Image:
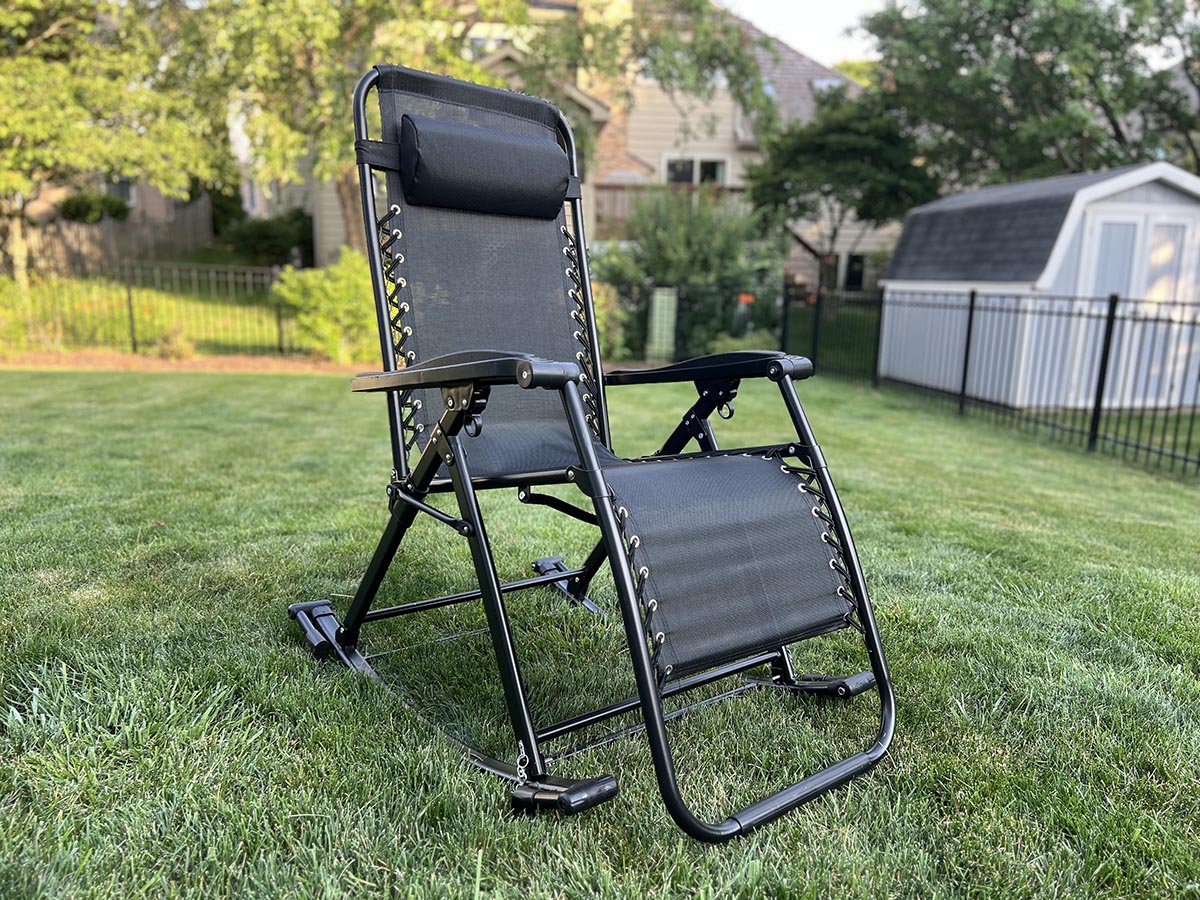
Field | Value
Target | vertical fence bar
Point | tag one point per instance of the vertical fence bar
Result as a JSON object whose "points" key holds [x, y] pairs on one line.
{"points": [[1102, 375], [816, 332], [133, 341], [966, 365], [878, 342], [787, 307]]}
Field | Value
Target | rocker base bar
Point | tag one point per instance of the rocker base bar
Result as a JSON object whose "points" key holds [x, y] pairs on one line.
{"points": [[685, 684], [390, 612]]}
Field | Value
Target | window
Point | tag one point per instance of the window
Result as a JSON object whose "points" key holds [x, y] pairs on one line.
{"points": [[121, 188], [681, 171], [695, 171], [855, 266], [829, 271], [821, 85], [712, 171]]}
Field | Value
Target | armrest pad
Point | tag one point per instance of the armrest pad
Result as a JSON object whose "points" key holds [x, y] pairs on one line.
{"points": [[741, 364], [474, 367]]}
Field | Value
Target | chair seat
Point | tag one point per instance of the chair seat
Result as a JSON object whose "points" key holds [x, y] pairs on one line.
{"points": [[732, 553]]}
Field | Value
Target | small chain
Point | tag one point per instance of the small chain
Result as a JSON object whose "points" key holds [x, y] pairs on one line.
{"points": [[522, 762]]}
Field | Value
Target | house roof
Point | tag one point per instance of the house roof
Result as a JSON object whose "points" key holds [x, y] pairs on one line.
{"points": [[796, 80], [1011, 232]]}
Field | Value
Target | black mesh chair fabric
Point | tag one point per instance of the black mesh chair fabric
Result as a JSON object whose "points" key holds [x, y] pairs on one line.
{"points": [[475, 279], [733, 557]]}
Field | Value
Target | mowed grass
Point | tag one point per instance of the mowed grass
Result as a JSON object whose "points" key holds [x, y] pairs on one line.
{"points": [[164, 730]]}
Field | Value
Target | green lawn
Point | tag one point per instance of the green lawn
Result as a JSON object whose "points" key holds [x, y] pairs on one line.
{"points": [[163, 729]]}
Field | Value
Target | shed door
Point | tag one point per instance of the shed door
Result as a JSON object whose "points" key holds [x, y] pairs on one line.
{"points": [[1114, 258]]}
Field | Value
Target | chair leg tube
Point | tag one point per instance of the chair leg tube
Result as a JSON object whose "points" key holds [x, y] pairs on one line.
{"points": [[866, 612], [533, 764]]}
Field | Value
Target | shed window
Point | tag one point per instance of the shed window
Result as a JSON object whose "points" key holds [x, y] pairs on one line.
{"points": [[1165, 262], [681, 171]]}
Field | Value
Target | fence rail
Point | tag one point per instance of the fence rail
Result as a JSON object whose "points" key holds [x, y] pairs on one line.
{"points": [[168, 309], [1111, 374]]}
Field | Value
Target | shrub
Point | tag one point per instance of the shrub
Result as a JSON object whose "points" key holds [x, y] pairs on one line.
{"points": [[610, 320], [333, 308], [92, 206], [270, 242], [174, 344], [762, 339], [712, 247]]}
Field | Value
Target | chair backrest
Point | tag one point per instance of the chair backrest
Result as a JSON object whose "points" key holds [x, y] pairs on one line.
{"points": [[475, 252]]}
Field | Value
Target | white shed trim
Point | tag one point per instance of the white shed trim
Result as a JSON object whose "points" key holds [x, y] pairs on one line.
{"points": [[1159, 171], [1017, 288]]}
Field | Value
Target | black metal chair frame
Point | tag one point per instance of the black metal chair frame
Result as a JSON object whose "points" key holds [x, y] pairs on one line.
{"points": [[465, 380]]}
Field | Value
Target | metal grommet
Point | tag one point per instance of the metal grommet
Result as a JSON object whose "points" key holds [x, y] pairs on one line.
{"points": [[816, 513], [408, 331], [643, 572], [583, 376], [404, 307], [833, 565], [652, 604], [660, 638], [842, 592], [394, 209], [420, 428], [398, 257], [802, 489], [622, 513], [579, 356], [417, 404], [397, 233], [569, 274], [668, 670], [825, 536], [635, 542], [410, 355]]}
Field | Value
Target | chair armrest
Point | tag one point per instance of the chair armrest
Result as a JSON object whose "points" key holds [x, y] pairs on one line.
{"points": [[472, 367], [740, 364]]}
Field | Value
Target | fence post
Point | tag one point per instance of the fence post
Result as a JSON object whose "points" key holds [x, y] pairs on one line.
{"points": [[1102, 375], [966, 366], [278, 308], [816, 331], [878, 342], [787, 306], [129, 306]]}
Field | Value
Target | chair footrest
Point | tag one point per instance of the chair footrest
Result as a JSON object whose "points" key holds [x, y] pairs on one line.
{"points": [[563, 795], [844, 686]]}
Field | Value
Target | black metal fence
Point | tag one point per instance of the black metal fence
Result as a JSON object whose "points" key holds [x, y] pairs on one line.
{"points": [[837, 330], [156, 308], [1115, 375]]}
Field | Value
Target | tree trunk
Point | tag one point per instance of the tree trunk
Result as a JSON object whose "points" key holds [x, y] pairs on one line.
{"points": [[18, 249], [348, 200]]}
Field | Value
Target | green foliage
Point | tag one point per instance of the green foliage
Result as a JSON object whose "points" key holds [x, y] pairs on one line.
{"points": [[92, 206], [610, 320], [270, 242], [333, 309], [1014, 89], [863, 72], [854, 160], [709, 245], [227, 211], [759, 339]]}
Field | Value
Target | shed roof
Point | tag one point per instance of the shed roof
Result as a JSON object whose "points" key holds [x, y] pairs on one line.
{"points": [[1002, 233]]}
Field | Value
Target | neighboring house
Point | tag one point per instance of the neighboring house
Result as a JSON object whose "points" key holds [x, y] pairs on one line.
{"points": [[681, 140], [662, 139], [1023, 248]]}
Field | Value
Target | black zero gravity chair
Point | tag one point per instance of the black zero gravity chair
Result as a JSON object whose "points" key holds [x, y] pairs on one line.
{"points": [[720, 558]]}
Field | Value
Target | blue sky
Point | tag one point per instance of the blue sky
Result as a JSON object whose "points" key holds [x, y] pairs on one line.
{"points": [[814, 27]]}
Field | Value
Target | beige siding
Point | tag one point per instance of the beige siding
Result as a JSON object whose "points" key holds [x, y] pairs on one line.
{"points": [[662, 127]]}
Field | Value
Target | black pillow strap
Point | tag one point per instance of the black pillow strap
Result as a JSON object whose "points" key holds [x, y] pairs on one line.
{"points": [[386, 155], [378, 154]]}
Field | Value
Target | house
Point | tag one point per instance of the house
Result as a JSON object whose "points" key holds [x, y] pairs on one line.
{"points": [[1042, 258], [680, 140], [659, 139]]}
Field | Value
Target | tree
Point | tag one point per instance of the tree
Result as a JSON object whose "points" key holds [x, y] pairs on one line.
{"points": [[80, 96], [1014, 89], [710, 245], [854, 160], [301, 59]]}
